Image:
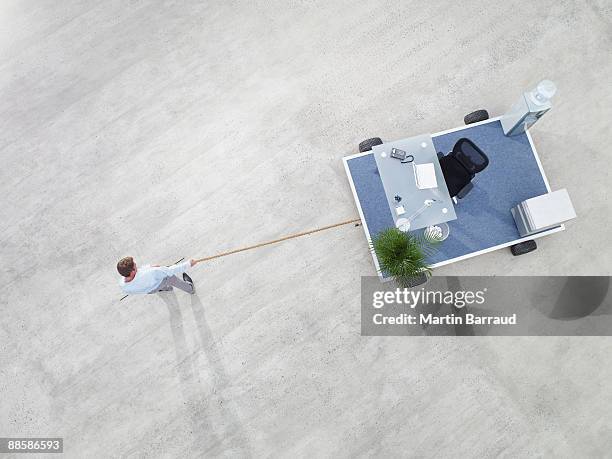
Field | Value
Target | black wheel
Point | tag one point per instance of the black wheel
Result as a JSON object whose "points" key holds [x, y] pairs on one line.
{"points": [[367, 145], [523, 247], [475, 117]]}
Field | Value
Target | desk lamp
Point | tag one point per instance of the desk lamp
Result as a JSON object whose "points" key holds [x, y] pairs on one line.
{"points": [[403, 224]]}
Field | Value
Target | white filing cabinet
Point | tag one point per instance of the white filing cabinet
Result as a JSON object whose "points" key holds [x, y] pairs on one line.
{"points": [[543, 212]]}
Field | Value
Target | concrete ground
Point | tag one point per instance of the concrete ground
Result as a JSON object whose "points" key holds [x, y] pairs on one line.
{"points": [[163, 129]]}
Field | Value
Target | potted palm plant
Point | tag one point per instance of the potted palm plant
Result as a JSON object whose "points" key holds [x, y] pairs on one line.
{"points": [[403, 256]]}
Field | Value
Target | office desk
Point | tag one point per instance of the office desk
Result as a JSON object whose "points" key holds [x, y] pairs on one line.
{"points": [[484, 222], [398, 180]]}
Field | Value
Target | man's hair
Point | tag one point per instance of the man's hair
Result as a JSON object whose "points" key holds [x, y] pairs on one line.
{"points": [[125, 266]]}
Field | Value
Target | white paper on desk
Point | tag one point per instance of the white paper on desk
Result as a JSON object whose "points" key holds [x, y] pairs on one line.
{"points": [[425, 176]]}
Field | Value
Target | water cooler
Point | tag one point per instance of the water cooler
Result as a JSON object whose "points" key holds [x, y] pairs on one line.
{"points": [[529, 108]]}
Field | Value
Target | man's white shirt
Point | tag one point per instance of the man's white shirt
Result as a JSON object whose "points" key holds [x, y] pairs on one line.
{"points": [[148, 278]]}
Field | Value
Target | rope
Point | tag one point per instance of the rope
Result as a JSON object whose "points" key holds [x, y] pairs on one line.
{"points": [[275, 241]]}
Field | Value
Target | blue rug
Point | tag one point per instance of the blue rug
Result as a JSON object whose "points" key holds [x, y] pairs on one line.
{"points": [[483, 216]]}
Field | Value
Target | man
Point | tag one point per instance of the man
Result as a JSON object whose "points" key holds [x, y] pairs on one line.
{"points": [[152, 279]]}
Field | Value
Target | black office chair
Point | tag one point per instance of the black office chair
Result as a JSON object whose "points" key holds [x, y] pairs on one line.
{"points": [[461, 165]]}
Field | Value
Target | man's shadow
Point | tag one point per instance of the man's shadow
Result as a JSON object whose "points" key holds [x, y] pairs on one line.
{"points": [[193, 397], [234, 428], [202, 405]]}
